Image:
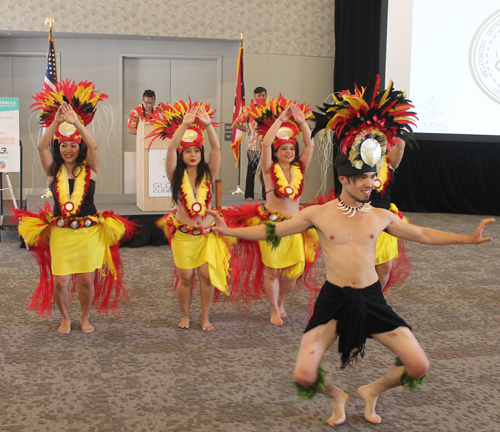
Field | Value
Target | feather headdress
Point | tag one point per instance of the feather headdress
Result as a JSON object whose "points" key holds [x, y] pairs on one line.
{"points": [[83, 97], [363, 119], [265, 113], [172, 116]]}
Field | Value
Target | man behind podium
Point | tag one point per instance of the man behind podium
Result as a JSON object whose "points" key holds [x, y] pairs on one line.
{"points": [[139, 113]]}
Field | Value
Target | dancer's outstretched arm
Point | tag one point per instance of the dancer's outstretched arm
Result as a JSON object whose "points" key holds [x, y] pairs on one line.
{"points": [[299, 223], [431, 236]]}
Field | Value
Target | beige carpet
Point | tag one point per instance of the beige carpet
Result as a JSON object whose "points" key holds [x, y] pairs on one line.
{"points": [[142, 373]]}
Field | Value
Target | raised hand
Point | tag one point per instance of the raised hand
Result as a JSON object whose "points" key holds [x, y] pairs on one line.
{"points": [[286, 114], [190, 115], [477, 235], [297, 114], [204, 116], [59, 117], [68, 114]]}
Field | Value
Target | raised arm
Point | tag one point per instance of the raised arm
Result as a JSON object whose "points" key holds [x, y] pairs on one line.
{"points": [[266, 159], [299, 223], [92, 152], [300, 119], [44, 145], [395, 156], [173, 145], [213, 139], [431, 236]]}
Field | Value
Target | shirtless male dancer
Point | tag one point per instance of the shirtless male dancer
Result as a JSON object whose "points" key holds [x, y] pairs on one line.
{"points": [[348, 229], [348, 245]]}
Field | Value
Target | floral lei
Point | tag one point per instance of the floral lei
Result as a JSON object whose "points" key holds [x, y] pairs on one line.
{"points": [[71, 204], [195, 206], [291, 190], [383, 177]]}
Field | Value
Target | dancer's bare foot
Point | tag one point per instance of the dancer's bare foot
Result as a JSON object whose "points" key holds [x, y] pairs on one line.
{"points": [[276, 318], [205, 325], [86, 326], [370, 401], [340, 399], [249, 199], [283, 313], [184, 323], [65, 326]]}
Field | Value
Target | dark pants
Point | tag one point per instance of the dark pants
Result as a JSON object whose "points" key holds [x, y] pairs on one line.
{"points": [[253, 163]]}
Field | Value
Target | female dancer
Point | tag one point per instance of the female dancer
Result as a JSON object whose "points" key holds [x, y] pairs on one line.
{"points": [[74, 239], [389, 247], [283, 169], [188, 227]]}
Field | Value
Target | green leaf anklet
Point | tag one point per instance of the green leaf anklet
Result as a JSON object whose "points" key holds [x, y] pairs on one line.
{"points": [[406, 380]]}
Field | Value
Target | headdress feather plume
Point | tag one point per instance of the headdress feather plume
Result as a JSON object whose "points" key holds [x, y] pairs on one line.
{"points": [[83, 97], [265, 113], [388, 112], [168, 121]]}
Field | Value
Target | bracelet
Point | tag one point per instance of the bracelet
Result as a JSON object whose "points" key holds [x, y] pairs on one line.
{"points": [[208, 124]]}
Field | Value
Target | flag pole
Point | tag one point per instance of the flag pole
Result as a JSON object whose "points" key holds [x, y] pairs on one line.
{"points": [[50, 82], [51, 22], [239, 104]]}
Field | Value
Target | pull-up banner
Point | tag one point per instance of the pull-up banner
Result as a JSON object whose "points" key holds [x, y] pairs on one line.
{"points": [[9, 135]]}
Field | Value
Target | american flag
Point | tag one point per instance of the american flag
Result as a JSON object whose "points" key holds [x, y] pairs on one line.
{"points": [[239, 104], [51, 71]]}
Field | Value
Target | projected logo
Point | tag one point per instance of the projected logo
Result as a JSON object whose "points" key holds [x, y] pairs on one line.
{"points": [[431, 108], [431, 115], [484, 57]]}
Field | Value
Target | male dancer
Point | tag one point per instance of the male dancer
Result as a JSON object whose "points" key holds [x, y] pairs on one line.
{"points": [[348, 229], [348, 245]]}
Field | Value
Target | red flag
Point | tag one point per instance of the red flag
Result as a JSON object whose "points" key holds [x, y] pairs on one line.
{"points": [[239, 104], [50, 79]]}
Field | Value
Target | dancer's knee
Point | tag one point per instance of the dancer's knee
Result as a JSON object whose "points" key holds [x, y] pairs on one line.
{"points": [[204, 279], [418, 369], [60, 286], [85, 284], [186, 278], [304, 376], [272, 273]]}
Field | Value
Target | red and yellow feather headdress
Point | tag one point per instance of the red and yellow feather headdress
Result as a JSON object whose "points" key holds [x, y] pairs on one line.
{"points": [[265, 113], [83, 97], [169, 120]]}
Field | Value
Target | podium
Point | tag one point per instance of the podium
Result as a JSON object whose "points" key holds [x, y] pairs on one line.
{"points": [[153, 191]]}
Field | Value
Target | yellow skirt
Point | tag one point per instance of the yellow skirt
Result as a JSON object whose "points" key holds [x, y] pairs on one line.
{"points": [[387, 248], [387, 245], [76, 251], [192, 251], [290, 253]]}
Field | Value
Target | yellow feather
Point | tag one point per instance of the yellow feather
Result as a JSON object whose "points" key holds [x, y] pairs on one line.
{"points": [[34, 231]]}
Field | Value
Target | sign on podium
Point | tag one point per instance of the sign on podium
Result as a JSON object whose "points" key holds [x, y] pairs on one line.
{"points": [[154, 192]]}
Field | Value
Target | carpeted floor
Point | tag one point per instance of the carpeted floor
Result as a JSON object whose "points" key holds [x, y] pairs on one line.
{"points": [[142, 373]]}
